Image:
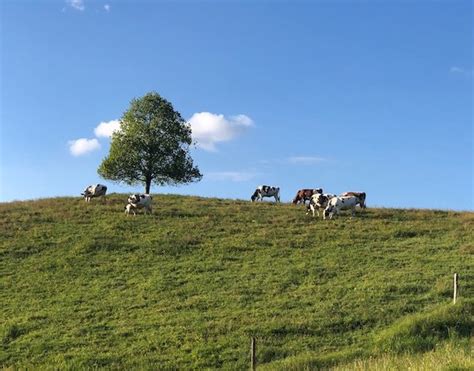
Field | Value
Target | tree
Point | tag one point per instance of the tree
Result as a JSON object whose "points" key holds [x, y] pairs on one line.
{"points": [[152, 145]]}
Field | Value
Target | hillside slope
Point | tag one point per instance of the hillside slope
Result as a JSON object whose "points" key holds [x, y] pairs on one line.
{"points": [[83, 285]]}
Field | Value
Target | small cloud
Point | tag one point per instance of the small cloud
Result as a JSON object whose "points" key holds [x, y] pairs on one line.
{"points": [[106, 129], [306, 160], [462, 71], [208, 129], [76, 4], [107, 8], [82, 146], [233, 176]]}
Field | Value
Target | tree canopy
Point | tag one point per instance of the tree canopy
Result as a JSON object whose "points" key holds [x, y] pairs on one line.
{"points": [[152, 146]]}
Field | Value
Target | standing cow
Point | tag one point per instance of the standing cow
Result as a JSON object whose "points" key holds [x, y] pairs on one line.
{"points": [[138, 201], [360, 195], [304, 195], [266, 191], [337, 204], [318, 202], [95, 190]]}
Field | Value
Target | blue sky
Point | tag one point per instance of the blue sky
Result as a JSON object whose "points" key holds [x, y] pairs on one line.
{"points": [[371, 96]]}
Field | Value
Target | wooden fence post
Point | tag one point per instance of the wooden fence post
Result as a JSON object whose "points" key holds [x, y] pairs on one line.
{"points": [[253, 358], [455, 294]]}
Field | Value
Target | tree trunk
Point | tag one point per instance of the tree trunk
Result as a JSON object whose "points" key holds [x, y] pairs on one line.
{"points": [[147, 185]]}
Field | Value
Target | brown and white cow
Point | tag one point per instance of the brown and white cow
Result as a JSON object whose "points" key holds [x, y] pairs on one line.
{"points": [[360, 195], [304, 195]]}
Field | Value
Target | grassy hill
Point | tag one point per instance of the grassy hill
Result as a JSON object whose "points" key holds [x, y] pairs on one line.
{"points": [[83, 285]]}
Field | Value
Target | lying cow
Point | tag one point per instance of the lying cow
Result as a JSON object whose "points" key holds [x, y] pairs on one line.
{"points": [[360, 195], [138, 201], [266, 191], [318, 202], [95, 190], [304, 195], [339, 203]]}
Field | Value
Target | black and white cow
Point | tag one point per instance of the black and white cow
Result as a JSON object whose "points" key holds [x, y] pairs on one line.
{"points": [[318, 202], [266, 191], [360, 195], [95, 190], [338, 203], [139, 201]]}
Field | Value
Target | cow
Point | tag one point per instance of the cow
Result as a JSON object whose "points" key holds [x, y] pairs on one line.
{"points": [[336, 204], [360, 195], [304, 195], [95, 190], [138, 201], [266, 191], [318, 202]]}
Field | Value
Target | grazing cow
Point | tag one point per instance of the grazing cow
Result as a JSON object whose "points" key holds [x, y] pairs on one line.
{"points": [[304, 195], [138, 201], [95, 190], [266, 191], [360, 195], [336, 204], [318, 202]]}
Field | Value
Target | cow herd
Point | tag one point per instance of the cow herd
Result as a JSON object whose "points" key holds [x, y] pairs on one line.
{"points": [[134, 202], [328, 202]]}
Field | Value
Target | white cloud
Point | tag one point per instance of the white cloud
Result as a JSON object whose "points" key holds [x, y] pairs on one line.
{"points": [[462, 71], [234, 176], [306, 160], [106, 129], [209, 128], [107, 8], [82, 146], [76, 4]]}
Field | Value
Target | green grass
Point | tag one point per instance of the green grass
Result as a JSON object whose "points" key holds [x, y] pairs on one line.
{"points": [[448, 356], [83, 285]]}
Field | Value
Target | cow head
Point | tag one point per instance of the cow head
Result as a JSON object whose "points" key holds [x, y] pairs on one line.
{"points": [[326, 213], [362, 200], [133, 199], [254, 196]]}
